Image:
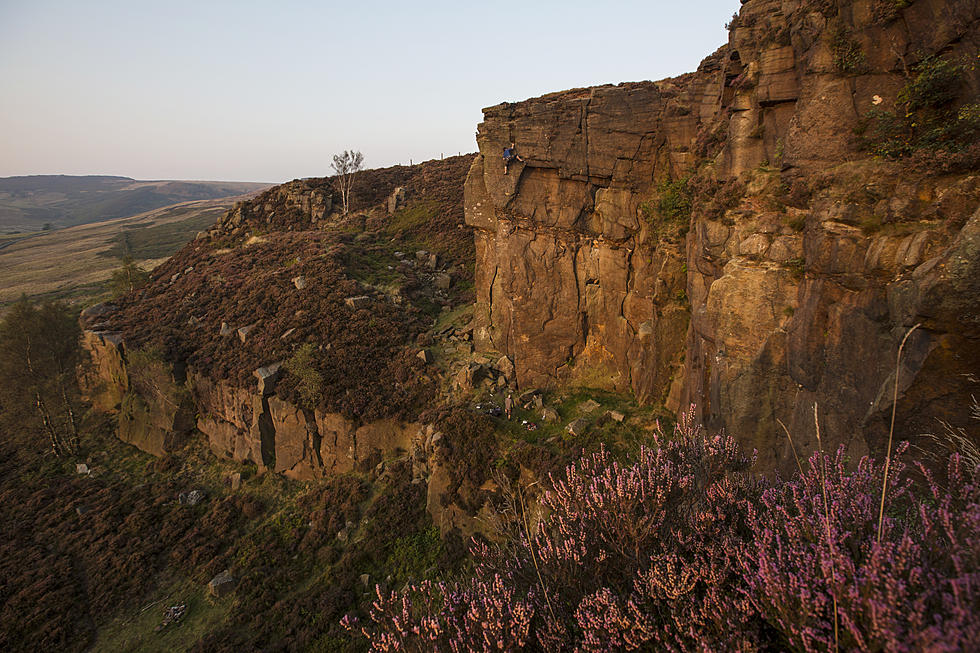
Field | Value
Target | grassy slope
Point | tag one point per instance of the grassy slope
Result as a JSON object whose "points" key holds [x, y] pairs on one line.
{"points": [[73, 263]]}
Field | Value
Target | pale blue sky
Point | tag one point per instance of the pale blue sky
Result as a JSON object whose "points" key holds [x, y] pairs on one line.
{"points": [[251, 91]]}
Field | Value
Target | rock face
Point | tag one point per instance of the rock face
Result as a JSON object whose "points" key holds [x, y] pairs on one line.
{"points": [[156, 413], [758, 304]]}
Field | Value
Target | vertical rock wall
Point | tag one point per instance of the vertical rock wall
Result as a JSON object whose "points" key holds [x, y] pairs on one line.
{"points": [[770, 302]]}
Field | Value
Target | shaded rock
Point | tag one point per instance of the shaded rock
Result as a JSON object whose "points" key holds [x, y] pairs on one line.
{"points": [[425, 356], [578, 426], [506, 367], [359, 302], [225, 329], [549, 415], [235, 481], [615, 415], [267, 377], [299, 282], [82, 468], [245, 330], [191, 498], [222, 584], [588, 406], [443, 281]]}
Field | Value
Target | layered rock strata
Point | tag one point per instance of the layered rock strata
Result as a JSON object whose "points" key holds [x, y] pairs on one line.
{"points": [[769, 303]]}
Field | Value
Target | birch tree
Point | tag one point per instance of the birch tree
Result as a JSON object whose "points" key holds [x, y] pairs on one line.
{"points": [[39, 353], [346, 165]]}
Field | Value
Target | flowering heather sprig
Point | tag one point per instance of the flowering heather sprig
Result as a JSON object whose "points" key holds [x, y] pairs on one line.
{"points": [[683, 550], [916, 589]]}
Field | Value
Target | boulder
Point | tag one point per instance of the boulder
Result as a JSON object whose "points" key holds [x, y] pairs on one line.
{"points": [[222, 584], [225, 329], [268, 376], [299, 282], [191, 498], [615, 415], [359, 302], [425, 356], [549, 415], [588, 406], [579, 426], [245, 330], [443, 281]]}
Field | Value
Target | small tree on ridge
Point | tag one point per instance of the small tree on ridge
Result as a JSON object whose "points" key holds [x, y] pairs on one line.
{"points": [[346, 164]]}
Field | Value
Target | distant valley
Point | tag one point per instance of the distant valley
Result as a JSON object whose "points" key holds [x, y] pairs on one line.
{"points": [[92, 223], [34, 202]]}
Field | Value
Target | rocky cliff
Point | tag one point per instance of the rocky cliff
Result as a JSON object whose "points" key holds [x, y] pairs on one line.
{"points": [[751, 237]]}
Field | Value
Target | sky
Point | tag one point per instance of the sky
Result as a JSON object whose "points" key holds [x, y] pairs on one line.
{"points": [[268, 91]]}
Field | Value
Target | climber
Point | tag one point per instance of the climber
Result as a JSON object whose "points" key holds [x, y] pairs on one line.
{"points": [[510, 153], [508, 405]]}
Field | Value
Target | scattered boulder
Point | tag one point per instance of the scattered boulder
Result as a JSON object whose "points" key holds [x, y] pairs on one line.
{"points": [[299, 282], [245, 330], [549, 415], [191, 498], [615, 415], [287, 333], [421, 256], [359, 302], [425, 356], [443, 281], [225, 330], [235, 480], [396, 200], [268, 376], [588, 406], [82, 468], [578, 427], [432, 262], [222, 584], [528, 396], [172, 615], [506, 367]]}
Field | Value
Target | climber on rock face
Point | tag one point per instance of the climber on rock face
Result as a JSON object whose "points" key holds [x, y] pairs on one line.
{"points": [[510, 153]]}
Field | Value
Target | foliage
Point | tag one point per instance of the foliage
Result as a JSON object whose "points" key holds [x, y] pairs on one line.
{"points": [[309, 384], [925, 125], [39, 351], [128, 277], [346, 165], [680, 549], [849, 58]]}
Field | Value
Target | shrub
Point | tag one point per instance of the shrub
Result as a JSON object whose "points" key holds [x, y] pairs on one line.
{"points": [[925, 125], [849, 58], [309, 382], [680, 549]]}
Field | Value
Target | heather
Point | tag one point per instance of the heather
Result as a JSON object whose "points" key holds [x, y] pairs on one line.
{"points": [[682, 547]]}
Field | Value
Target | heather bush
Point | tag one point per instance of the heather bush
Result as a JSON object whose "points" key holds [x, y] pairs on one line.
{"points": [[816, 560], [683, 549]]}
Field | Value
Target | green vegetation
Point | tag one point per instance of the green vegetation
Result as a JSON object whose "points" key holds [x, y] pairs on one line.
{"points": [[849, 58], [302, 365], [151, 241], [926, 124], [128, 277], [39, 352]]}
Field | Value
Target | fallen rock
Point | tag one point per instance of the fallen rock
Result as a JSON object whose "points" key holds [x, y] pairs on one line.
{"points": [[528, 396], [82, 468], [268, 376], [588, 406], [425, 356], [191, 498], [505, 366], [443, 281], [235, 480], [299, 282], [222, 584], [245, 330], [225, 330], [615, 415], [578, 427], [359, 302], [549, 415]]}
